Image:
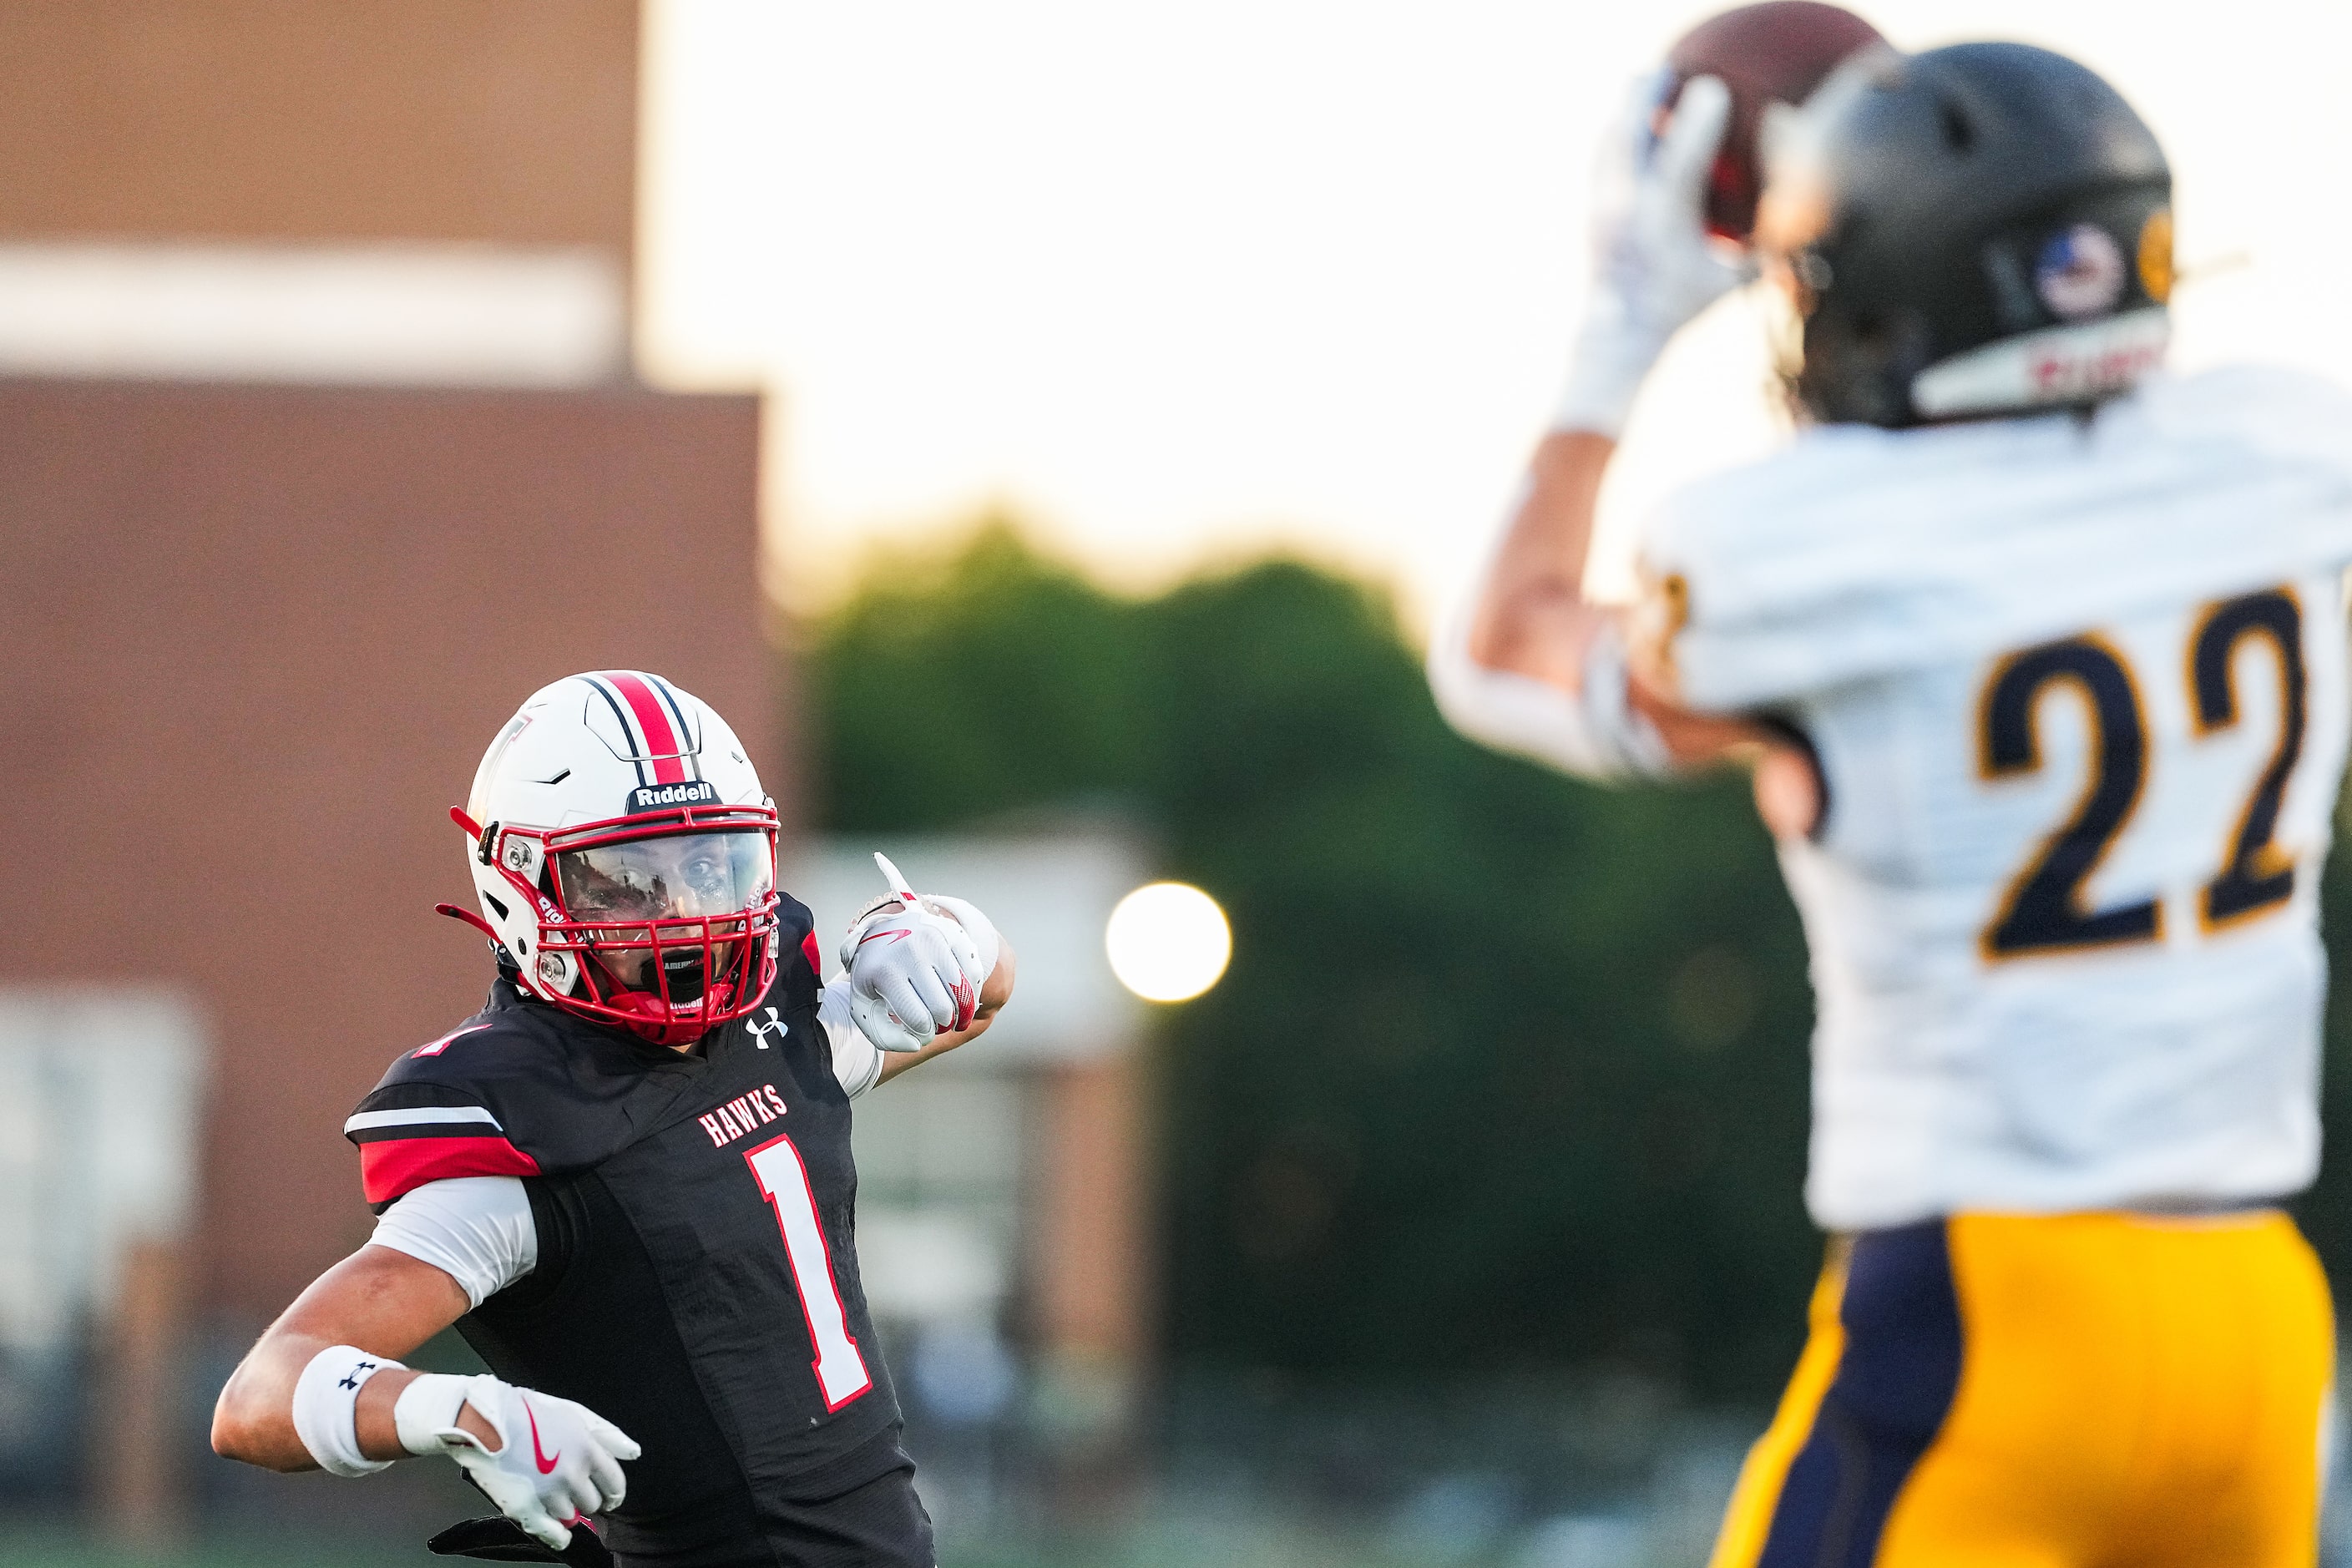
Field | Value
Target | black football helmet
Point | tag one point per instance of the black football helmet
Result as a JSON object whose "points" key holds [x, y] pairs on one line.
{"points": [[1979, 229]]}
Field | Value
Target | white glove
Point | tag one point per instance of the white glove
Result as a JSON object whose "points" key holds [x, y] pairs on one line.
{"points": [[1654, 265], [556, 1463], [915, 972]]}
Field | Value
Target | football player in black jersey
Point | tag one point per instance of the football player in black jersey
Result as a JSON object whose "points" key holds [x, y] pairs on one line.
{"points": [[627, 1180]]}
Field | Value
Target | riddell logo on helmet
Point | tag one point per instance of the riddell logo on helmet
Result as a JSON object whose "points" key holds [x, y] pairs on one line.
{"points": [[653, 797]]}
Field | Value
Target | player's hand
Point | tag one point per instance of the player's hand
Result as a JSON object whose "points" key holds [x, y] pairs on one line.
{"points": [[1655, 265], [556, 1463], [915, 972]]}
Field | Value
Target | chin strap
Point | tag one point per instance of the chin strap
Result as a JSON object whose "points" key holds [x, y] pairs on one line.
{"points": [[506, 958], [473, 831], [470, 918]]}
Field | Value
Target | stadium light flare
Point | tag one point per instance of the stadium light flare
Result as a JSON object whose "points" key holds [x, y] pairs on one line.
{"points": [[1168, 942]]}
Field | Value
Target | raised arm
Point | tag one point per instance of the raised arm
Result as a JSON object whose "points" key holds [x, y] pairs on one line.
{"points": [[1529, 626], [1527, 664], [1531, 616]]}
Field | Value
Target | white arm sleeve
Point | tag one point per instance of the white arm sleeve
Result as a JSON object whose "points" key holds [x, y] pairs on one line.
{"points": [[856, 1060], [1595, 733], [476, 1229]]}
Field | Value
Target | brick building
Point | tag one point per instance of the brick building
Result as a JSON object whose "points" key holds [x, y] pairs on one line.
{"points": [[320, 446]]}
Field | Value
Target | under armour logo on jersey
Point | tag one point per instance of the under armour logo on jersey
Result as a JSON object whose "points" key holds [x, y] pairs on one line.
{"points": [[759, 1031]]}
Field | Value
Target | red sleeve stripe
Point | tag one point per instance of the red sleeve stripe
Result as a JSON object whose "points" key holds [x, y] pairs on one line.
{"points": [[403, 1165], [815, 956]]}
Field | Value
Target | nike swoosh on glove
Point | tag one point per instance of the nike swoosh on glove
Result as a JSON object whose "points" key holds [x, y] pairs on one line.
{"points": [[914, 974], [556, 1463]]}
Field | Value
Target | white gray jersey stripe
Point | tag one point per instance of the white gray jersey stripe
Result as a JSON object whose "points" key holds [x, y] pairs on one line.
{"points": [[420, 1116]]}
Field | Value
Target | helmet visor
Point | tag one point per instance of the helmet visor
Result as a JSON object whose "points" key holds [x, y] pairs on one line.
{"points": [[673, 877]]}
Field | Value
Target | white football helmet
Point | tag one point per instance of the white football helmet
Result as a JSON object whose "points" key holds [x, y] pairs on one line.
{"points": [[625, 855]]}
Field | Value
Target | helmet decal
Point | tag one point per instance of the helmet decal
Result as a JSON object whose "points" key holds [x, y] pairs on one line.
{"points": [[2156, 255], [2080, 272]]}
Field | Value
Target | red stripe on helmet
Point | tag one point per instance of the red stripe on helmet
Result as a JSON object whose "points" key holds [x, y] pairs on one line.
{"points": [[663, 743], [688, 740], [399, 1166]]}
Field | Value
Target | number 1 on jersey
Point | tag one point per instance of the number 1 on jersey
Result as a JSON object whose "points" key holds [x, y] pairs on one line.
{"points": [[841, 1371]]}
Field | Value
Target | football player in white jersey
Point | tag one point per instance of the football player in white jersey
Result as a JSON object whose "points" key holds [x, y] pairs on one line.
{"points": [[2039, 656]]}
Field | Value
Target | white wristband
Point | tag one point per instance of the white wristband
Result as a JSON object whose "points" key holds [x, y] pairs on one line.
{"points": [[427, 1407], [326, 1401]]}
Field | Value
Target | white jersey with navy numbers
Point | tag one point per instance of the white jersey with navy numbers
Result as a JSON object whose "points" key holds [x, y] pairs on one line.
{"points": [[2077, 687]]}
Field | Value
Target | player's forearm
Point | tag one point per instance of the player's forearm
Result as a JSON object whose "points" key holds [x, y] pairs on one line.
{"points": [[254, 1420], [1654, 269], [377, 1299], [1531, 620], [1531, 616]]}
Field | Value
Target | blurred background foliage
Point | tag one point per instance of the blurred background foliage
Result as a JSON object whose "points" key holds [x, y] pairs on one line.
{"points": [[1508, 1073], [1508, 1076]]}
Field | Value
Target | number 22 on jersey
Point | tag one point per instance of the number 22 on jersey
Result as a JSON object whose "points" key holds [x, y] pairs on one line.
{"points": [[841, 1371], [2041, 910]]}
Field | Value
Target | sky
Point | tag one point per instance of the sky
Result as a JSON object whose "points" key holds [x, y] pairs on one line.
{"points": [[1177, 284]]}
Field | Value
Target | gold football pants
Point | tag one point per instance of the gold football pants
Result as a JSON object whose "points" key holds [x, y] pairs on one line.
{"points": [[2050, 1391]]}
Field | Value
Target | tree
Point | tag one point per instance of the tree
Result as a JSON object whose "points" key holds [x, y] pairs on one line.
{"points": [[1509, 1071]]}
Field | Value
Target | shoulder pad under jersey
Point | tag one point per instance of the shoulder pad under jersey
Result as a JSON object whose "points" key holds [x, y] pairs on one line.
{"points": [[1857, 553], [517, 1090]]}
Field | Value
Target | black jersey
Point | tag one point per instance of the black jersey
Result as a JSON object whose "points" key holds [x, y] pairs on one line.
{"points": [[696, 1282]]}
